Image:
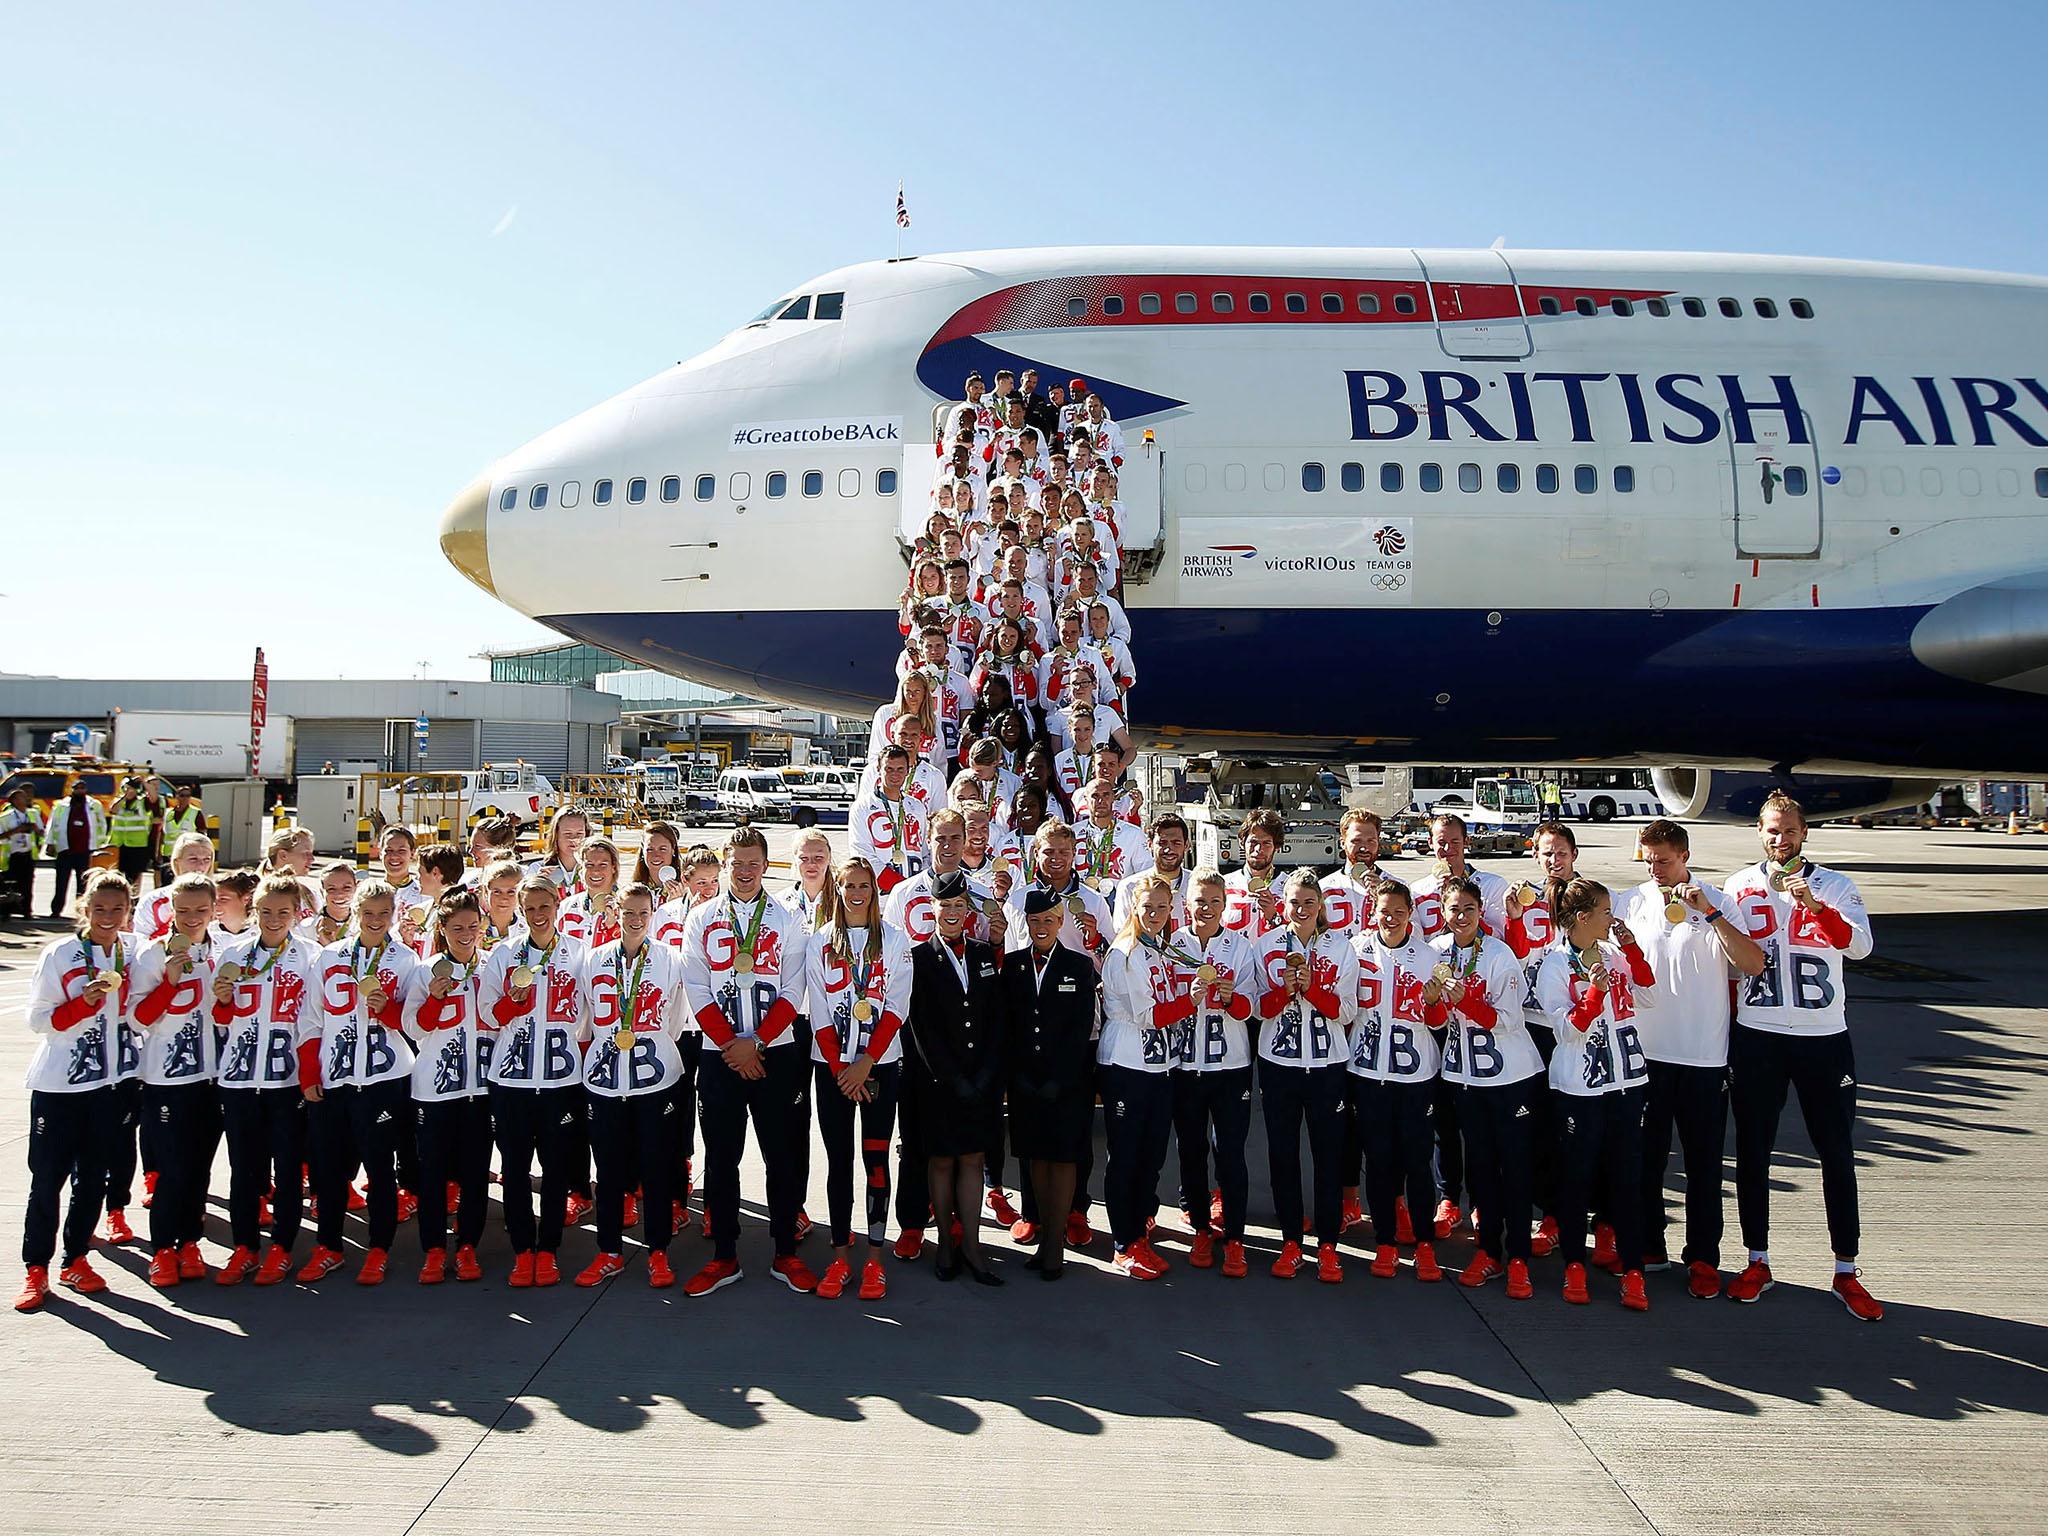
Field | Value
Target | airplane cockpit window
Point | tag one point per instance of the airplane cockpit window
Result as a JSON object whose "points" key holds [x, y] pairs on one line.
{"points": [[769, 313], [799, 309], [831, 306]]}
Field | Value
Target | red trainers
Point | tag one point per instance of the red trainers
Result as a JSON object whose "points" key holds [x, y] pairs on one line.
{"points": [[909, 1243], [1543, 1242], [1603, 1255], [1426, 1269], [1850, 1293], [1386, 1260], [1131, 1261], [1024, 1233], [1754, 1280], [1329, 1268], [999, 1207], [1354, 1216], [522, 1271], [240, 1266], [659, 1276], [357, 1200], [715, 1276], [119, 1233], [1404, 1224], [466, 1266], [546, 1271], [372, 1272], [81, 1277], [794, 1273], [408, 1206], [1575, 1290], [322, 1263], [803, 1223], [276, 1265], [1447, 1218], [678, 1217], [1633, 1296], [832, 1284], [1202, 1252], [1479, 1271], [148, 1190], [435, 1268], [1703, 1280], [191, 1263], [1519, 1288], [1152, 1256], [35, 1289], [874, 1285], [602, 1268], [1079, 1233], [1234, 1266], [1289, 1263], [163, 1269], [574, 1210]]}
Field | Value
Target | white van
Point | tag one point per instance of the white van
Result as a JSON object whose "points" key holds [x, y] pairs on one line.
{"points": [[755, 794], [496, 789]]}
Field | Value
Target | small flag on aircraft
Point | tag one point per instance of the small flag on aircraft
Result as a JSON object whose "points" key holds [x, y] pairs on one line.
{"points": [[902, 209]]}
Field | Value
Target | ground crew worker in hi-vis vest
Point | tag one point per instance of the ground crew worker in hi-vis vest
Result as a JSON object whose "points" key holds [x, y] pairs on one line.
{"points": [[183, 814], [128, 823], [22, 824]]}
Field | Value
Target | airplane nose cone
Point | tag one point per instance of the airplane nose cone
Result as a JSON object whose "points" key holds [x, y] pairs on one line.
{"points": [[465, 537]]}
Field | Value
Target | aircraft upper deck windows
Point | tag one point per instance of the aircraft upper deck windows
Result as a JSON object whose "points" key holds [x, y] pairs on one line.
{"points": [[1732, 308], [707, 487], [1297, 304], [537, 497], [636, 489], [508, 498], [1368, 303], [1658, 307], [1312, 477], [1585, 305], [1765, 308], [1148, 303], [1112, 305], [1333, 304], [1802, 309], [1549, 304], [1184, 303], [1404, 303], [671, 487], [1077, 308], [1222, 303], [1621, 307], [1696, 308], [1258, 303]]}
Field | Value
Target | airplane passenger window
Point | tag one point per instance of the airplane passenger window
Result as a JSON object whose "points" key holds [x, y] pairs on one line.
{"points": [[1112, 305], [778, 485], [1893, 480], [1148, 303], [1585, 479], [636, 489], [885, 482], [831, 306], [1311, 477], [1297, 304], [1404, 303], [1625, 478], [1584, 305], [572, 491], [814, 482], [1732, 308], [1258, 303], [1801, 310], [1333, 304], [740, 486], [1621, 307], [508, 498], [707, 487], [671, 488], [1658, 307], [537, 497], [1930, 482], [1795, 480], [601, 493], [1352, 477], [1390, 477], [1077, 309], [1468, 477], [1508, 478], [2041, 482], [1546, 479], [1368, 303], [1430, 477], [1222, 303], [1696, 308], [1184, 303], [799, 309], [1766, 309], [1549, 304], [849, 482]]}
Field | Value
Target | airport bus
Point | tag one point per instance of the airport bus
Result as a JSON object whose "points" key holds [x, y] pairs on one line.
{"points": [[1587, 794]]}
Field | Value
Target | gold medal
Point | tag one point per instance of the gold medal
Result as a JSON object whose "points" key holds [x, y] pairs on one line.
{"points": [[1076, 906], [1674, 909], [230, 973], [1443, 975], [522, 975], [1297, 961], [417, 914], [743, 963], [1261, 882], [1589, 957], [1440, 871], [863, 1010], [1527, 895], [1001, 866], [443, 969], [991, 908], [1205, 974], [622, 1037], [176, 945], [1092, 883], [1778, 879]]}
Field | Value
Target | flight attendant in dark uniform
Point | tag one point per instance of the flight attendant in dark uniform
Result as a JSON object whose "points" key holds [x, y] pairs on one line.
{"points": [[956, 1018], [1049, 990]]}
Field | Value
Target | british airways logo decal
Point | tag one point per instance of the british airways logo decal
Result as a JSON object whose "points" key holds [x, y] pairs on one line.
{"points": [[1242, 551]]}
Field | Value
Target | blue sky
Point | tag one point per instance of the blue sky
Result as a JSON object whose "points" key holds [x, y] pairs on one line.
{"points": [[279, 280]]}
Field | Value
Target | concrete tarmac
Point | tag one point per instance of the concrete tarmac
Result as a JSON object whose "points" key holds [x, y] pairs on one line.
{"points": [[1192, 1404]]}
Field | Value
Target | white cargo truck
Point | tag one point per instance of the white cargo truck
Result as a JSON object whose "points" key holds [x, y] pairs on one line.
{"points": [[191, 746]]}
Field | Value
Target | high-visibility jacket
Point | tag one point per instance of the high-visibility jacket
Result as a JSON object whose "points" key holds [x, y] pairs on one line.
{"points": [[176, 824], [130, 823], [20, 830], [57, 835]]}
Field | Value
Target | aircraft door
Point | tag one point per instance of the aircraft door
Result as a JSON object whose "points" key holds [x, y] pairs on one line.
{"points": [[1777, 493], [1477, 304]]}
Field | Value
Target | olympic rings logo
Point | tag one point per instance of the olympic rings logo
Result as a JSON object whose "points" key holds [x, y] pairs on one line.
{"points": [[1390, 581]]}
